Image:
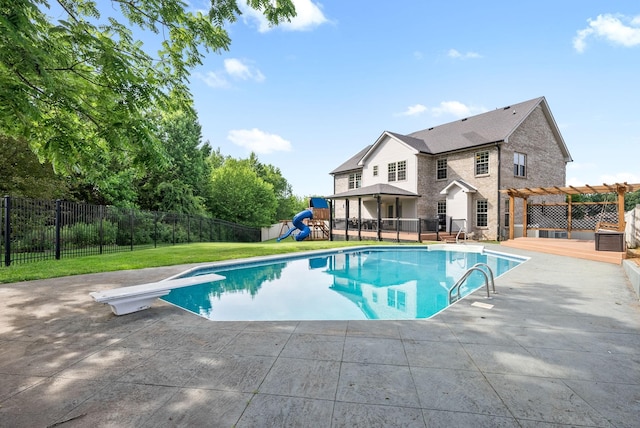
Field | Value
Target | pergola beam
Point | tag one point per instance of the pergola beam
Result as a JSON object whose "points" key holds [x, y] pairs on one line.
{"points": [[619, 188]]}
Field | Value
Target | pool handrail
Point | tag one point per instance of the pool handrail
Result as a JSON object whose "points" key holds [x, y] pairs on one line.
{"points": [[487, 278]]}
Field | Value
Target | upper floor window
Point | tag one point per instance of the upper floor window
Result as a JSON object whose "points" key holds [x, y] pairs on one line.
{"points": [[355, 180], [391, 171], [519, 165], [402, 170], [375, 170], [441, 169], [397, 171], [482, 163], [482, 212]]}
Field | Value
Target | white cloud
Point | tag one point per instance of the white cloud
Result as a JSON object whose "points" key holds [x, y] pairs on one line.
{"points": [[213, 80], [620, 177], [308, 16], [413, 110], [234, 69], [239, 70], [258, 141], [619, 30], [457, 109], [453, 53]]}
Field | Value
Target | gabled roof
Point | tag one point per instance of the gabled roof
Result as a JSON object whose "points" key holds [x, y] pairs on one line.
{"points": [[486, 128], [466, 187], [413, 143], [352, 163], [374, 190]]}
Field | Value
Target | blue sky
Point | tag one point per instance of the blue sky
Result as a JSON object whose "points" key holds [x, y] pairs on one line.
{"points": [[307, 95]]}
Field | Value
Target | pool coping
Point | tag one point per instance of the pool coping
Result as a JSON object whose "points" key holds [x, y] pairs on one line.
{"points": [[529, 360]]}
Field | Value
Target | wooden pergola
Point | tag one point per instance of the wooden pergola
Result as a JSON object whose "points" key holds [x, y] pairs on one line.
{"points": [[525, 193]]}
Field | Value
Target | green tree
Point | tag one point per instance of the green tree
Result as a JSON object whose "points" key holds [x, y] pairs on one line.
{"points": [[241, 196], [82, 85], [23, 174], [287, 204], [183, 184]]}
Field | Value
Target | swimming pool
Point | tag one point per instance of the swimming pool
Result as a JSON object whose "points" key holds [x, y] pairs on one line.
{"points": [[381, 282]]}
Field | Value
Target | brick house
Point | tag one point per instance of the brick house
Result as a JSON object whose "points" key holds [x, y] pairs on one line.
{"points": [[455, 171]]}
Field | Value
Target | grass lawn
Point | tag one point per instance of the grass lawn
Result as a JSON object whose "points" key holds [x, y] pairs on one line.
{"points": [[162, 256]]}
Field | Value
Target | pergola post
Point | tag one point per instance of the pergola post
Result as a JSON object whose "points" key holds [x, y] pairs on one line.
{"points": [[569, 218], [621, 223], [525, 220], [512, 215]]}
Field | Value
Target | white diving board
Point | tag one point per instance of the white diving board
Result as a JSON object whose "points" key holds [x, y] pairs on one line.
{"points": [[125, 300]]}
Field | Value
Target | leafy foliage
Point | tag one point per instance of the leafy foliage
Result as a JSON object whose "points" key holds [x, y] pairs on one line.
{"points": [[23, 175], [241, 196], [82, 86]]}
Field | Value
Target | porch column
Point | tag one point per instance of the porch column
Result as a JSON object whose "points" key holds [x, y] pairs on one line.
{"points": [[359, 219], [346, 219], [330, 220], [397, 219], [379, 218]]}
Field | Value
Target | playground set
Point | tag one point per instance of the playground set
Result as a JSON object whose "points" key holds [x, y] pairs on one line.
{"points": [[311, 223]]}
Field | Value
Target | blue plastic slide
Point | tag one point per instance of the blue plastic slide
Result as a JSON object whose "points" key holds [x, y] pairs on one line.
{"points": [[299, 224]]}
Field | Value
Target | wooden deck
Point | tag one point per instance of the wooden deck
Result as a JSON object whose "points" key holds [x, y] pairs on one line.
{"points": [[369, 234], [566, 247]]}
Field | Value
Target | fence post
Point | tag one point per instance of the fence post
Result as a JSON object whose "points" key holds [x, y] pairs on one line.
{"points": [[7, 230], [58, 227], [131, 221], [155, 229], [188, 229], [419, 230], [173, 234], [101, 215]]}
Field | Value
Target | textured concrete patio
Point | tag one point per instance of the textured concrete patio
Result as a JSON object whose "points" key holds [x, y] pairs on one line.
{"points": [[560, 346]]}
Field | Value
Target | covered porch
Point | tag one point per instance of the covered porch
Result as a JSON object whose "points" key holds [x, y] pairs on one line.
{"points": [[378, 212]]}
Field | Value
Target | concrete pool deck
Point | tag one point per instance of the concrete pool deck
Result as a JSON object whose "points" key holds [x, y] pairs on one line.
{"points": [[559, 346]]}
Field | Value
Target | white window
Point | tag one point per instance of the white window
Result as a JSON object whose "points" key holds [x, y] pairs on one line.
{"points": [[482, 211], [441, 169], [397, 171], [402, 170], [355, 180], [482, 163], [391, 171], [375, 170], [519, 165]]}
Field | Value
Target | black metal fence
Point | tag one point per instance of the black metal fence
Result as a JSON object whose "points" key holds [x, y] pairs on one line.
{"points": [[34, 230]]}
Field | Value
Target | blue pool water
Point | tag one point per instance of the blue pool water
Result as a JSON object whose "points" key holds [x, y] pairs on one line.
{"points": [[367, 283]]}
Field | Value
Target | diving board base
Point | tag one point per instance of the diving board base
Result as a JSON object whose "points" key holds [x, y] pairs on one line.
{"points": [[126, 300]]}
